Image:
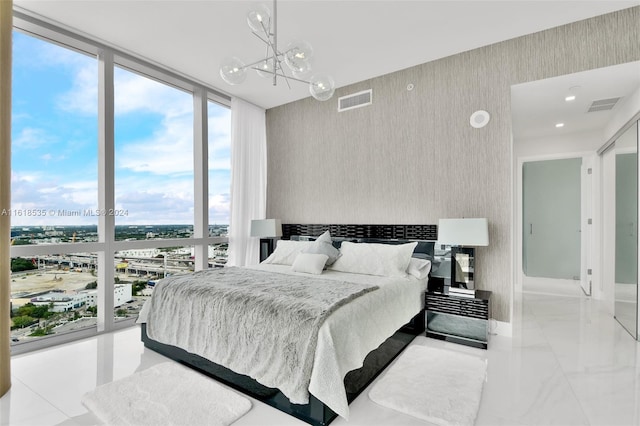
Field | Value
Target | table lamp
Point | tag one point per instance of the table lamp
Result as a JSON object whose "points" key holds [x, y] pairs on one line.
{"points": [[463, 235], [268, 230]]}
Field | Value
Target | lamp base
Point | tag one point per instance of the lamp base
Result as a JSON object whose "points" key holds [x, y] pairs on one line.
{"points": [[266, 248]]}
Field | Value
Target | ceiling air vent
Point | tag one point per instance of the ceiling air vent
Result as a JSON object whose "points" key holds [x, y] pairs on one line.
{"points": [[355, 100], [603, 105]]}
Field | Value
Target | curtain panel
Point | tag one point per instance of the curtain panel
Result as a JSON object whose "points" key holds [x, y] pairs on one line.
{"points": [[248, 180]]}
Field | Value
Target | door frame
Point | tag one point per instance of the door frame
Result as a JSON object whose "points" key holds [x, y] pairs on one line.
{"points": [[593, 250]]}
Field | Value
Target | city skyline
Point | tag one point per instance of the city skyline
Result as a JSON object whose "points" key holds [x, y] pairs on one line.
{"points": [[39, 234]]}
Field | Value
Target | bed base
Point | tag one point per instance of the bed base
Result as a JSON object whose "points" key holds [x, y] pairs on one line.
{"points": [[315, 412]]}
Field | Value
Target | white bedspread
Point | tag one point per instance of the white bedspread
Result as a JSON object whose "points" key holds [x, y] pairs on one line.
{"points": [[354, 330]]}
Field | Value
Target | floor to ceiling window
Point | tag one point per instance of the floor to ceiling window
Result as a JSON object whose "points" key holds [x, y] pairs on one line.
{"points": [[54, 139], [54, 188], [61, 255], [219, 125], [153, 158]]}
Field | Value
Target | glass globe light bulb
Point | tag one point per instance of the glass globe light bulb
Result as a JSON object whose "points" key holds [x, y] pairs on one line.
{"points": [[321, 87], [259, 19], [265, 68], [302, 70], [296, 53], [233, 71]]}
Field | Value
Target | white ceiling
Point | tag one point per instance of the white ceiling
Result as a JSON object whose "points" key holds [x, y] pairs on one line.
{"points": [[537, 106], [353, 40]]}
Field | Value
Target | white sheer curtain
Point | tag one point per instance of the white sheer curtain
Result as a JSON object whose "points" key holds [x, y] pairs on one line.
{"points": [[248, 180]]}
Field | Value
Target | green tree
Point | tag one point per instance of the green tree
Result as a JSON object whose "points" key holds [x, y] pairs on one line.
{"points": [[23, 321], [121, 313], [91, 285], [26, 309], [29, 309], [19, 264], [41, 311], [138, 286]]}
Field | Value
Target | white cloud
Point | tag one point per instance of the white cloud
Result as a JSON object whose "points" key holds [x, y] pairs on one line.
{"points": [[47, 54], [219, 123], [149, 207], [31, 138], [83, 96], [47, 194], [154, 199], [48, 157], [82, 192], [17, 117], [134, 93], [220, 139], [168, 151], [219, 208], [23, 177], [219, 163]]}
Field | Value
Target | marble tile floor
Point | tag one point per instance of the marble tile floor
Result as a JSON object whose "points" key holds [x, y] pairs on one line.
{"points": [[568, 363]]}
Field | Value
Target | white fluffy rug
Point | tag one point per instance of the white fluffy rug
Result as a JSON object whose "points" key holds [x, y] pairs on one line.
{"points": [[166, 394], [437, 385]]}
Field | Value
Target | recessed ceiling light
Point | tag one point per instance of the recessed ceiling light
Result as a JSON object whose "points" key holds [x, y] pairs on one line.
{"points": [[570, 98], [560, 125]]}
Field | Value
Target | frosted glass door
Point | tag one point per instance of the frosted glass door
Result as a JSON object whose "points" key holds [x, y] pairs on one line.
{"points": [[551, 218]]}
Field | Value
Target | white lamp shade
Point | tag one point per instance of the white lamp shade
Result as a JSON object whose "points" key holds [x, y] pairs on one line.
{"points": [[463, 232], [266, 228]]}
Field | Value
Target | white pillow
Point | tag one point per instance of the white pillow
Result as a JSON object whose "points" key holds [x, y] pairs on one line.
{"points": [[386, 260], [325, 238], [309, 263], [323, 245], [419, 268], [286, 251]]}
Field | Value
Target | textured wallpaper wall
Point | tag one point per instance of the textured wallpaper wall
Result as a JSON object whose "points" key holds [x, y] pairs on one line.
{"points": [[411, 157]]}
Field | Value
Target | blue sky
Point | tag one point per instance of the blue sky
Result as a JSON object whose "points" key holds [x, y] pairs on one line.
{"points": [[55, 148]]}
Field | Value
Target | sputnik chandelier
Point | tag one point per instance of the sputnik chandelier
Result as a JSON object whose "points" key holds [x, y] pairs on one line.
{"points": [[296, 57]]}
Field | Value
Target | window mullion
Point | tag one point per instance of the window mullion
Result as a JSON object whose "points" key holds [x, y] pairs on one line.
{"points": [[106, 182], [201, 177]]}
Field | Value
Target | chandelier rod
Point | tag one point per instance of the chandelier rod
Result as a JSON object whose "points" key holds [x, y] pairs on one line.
{"points": [[260, 37], [254, 63], [280, 75], [275, 41]]}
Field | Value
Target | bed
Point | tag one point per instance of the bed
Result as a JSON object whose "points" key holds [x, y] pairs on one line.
{"points": [[386, 311]]}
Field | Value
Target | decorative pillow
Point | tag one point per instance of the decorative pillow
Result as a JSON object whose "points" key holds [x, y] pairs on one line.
{"points": [[325, 238], [286, 251], [323, 245], [386, 260], [309, 263], [419, 268]]}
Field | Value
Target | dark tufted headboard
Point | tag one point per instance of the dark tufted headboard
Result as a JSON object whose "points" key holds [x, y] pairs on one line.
{"points": [[426, 235], [385, 232]]}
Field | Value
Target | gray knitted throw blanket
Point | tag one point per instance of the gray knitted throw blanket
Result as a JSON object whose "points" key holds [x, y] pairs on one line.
{"points": [[258, 323]]}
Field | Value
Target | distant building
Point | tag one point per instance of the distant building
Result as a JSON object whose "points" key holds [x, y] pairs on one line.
{"points": [[145, 253], [63, 302]]}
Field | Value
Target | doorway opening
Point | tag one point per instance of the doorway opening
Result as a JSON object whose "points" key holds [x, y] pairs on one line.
{"points": [[554, 221]]}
